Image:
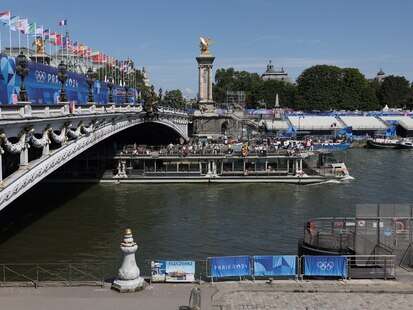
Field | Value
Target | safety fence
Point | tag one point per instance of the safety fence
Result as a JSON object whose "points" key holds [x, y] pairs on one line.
{"points": [[211, 269], [307, 266], [60, 274]]}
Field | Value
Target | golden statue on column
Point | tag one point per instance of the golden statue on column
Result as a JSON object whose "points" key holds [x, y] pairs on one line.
{"points": [[39, 46], [204, 45]]}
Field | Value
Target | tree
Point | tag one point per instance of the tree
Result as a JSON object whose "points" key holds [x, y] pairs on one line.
{"points": [[256, 90], [394, 91], [174, 98], [326, 87]]}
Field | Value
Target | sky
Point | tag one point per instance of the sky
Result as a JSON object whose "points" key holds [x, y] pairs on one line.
{"points": [[163, 35]]}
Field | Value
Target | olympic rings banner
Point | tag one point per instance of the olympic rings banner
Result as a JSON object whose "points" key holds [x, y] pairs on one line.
{"points": [[43, 86], [229, 266], [325, 266], [275, 265]]}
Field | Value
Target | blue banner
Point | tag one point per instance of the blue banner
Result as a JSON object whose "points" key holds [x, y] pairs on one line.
{"points": [[326, 266], [229, 266], [275, 265], [43, 86]]}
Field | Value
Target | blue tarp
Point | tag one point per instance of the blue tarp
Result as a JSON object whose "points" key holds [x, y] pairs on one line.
{"points": [[326, 266], [229, 266], [275, 265]]}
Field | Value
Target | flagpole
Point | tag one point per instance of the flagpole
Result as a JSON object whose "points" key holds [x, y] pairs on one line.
{"points": [[19, 40], [10, 36]]}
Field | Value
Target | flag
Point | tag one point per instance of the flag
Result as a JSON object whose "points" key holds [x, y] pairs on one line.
{"points": [[63, 22], [46, 34], [55, 39], [13, 23], [5, 17], [23, 25], [32, 29], [58, 39], [52, 38], [39, 31]]}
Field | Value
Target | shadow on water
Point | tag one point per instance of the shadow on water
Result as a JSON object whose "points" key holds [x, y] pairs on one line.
{"points": [[39, 201]]}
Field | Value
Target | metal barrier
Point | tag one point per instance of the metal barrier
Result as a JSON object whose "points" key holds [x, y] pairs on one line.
{"points": [[371, 266], [57, 273], [96, 274]]}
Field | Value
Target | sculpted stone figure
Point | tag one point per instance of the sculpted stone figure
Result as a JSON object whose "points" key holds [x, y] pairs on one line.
{"points": [[39, 46]]}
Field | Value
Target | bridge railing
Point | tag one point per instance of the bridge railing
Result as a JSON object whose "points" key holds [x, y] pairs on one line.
{"points": [[26, 110]]}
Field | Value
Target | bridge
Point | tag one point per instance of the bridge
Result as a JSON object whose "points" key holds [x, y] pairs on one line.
{"points": [[43, 138]]}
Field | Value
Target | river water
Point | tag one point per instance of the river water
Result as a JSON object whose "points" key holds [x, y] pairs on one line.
{"points": [[84, 223]]}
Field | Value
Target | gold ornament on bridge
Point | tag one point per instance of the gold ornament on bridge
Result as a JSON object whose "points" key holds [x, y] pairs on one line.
{"points": [[39, 46], [204, 45]]}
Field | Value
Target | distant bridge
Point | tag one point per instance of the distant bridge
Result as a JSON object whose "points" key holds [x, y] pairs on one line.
{"points": [[71, 129]]}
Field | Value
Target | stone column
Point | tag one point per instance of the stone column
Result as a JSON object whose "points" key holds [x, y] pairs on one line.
{"points": [[129, 279], [205, 79]]}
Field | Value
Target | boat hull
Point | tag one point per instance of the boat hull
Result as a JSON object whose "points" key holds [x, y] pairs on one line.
{"points": [[378, 145], [201, 179]]}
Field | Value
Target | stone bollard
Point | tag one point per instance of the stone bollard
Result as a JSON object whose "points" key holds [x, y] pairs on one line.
{"points": [[129, 279]]}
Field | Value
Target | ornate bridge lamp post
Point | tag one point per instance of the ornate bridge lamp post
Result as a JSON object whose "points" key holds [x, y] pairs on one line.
{"points": [[110, 86], [62, 76], [126, 93], [91, 79], [22, 69]]}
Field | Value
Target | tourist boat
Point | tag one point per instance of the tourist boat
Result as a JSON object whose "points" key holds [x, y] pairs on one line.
{"points": [[383, 143], [282, 167]]}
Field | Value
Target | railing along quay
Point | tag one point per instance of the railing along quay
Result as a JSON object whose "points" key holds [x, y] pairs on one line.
{"points": [[97, 274], [60, 274]]}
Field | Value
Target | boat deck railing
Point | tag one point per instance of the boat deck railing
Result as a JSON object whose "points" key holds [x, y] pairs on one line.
{"points": [[363, 235]]}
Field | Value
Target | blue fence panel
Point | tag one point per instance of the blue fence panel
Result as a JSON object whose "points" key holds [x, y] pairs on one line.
{"points": [[326, 266], [275, 265], [229, 266]]}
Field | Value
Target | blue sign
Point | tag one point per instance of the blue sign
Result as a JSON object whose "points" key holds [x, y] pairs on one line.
{"points": [[43, 86], [230, 266], [173, 271], [326, 266], [275, 265]]}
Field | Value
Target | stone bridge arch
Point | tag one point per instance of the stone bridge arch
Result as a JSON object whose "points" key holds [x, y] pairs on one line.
{"points": [[73, 142]]}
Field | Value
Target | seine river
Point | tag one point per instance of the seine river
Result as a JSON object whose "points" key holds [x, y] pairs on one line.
{"points": [[84, 223]]}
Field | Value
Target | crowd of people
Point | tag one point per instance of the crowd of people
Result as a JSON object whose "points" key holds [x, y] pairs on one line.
{"points": [[204, 147]]}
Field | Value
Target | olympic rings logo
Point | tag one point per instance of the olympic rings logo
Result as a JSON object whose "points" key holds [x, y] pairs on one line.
{"points": [[40, 76], [325, 265]]}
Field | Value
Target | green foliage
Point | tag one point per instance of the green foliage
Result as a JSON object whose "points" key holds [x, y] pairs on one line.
{"points": [[325, 87], [395, 91], [255, 88], [174, 98]]}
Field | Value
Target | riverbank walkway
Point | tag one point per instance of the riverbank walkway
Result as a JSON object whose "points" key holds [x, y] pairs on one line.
{"points": [[280, 294]]}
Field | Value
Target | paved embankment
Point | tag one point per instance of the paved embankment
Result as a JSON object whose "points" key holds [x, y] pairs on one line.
{"points": [[349, 294], [281, 294]]}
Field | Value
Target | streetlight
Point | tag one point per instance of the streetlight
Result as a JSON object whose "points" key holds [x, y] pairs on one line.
{"points": [[110, 86], [22, 69], [62, 76], [91, 79], [126, 87]]}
